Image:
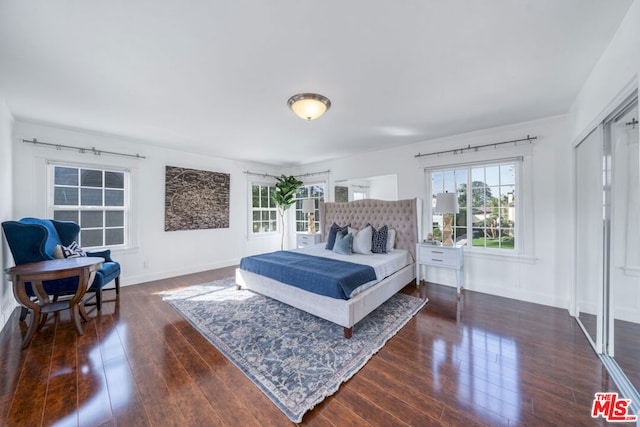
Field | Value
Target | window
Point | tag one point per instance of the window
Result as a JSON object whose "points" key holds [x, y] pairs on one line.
{"points": [[487, 217], [96, 199], [264, 215], [316, 192]]}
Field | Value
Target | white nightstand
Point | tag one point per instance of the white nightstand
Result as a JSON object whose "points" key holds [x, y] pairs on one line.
{"points": [[441, 256], [306, 239]]}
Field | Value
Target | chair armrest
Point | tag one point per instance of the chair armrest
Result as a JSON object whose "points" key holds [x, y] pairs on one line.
{"points": [[106, 254]]}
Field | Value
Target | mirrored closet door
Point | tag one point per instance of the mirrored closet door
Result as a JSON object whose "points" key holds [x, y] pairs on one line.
{"points": [[589, 235], [624, 265], [607, 243]]}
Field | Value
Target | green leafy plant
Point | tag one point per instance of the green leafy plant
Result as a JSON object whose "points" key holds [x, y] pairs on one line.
{"points": [[284, 197]]}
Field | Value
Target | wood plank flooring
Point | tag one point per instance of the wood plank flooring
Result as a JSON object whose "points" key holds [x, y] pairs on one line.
{"points": [[482, 361]]}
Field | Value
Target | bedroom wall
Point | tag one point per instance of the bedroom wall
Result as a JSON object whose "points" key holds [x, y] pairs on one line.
{"points": [[154, 253], [7, 302], [541, 273], [616, 72]]}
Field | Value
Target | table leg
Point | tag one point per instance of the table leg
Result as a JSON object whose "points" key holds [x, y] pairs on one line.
{"points": [[75, 305], [75, 316], [21, 295], [32, 326], [83, 311]]}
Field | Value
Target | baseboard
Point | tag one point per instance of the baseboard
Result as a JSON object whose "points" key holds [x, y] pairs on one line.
{"points": [[159, 275], [6, 313], [523, 295]]}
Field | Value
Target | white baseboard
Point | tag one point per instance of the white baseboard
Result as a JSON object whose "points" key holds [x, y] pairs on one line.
{"points": [[523, 295], [6, 313], [159, 275]]}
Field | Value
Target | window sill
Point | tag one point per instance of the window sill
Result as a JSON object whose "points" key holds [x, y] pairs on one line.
{"points": [[631, 271]]}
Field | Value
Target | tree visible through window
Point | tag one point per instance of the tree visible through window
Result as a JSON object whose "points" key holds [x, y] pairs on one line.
{"points": [[487, 216], [96, 199]]}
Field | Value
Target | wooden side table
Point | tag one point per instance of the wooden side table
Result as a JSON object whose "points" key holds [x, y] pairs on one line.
{"points": [[441, 256], [82, 267]]}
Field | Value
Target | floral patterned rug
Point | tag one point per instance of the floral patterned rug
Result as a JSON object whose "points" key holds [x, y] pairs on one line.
{"points": [[295, 359]]}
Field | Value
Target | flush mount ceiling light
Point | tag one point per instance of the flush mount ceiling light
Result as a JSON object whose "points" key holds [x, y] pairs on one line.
{"points": [[309, 106]]}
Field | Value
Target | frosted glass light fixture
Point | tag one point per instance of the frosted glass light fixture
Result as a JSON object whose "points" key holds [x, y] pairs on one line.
{"points": [[309, 106], [447, 203]]}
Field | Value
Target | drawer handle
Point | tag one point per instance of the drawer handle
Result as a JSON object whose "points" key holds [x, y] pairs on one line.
{"points": [[437, 252], [437, 260]]}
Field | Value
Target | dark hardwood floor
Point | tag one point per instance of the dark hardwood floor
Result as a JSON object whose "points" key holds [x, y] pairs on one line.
{"points": [[484, 360]]}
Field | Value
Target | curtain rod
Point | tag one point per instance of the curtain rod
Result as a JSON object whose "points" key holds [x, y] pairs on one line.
{"points": [[261, 174], [276, 177], [313, 173], [476, 147], [82, 150]]}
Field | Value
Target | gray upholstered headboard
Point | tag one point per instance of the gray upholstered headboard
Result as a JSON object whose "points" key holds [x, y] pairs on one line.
{"points": [[401, 215]]}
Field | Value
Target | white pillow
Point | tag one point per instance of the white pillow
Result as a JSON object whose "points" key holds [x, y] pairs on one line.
{"points": [[362, 241], [391, 240]]}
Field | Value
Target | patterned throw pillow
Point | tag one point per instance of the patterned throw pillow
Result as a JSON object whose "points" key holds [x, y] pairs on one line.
{"points": [[379, 239], [72, 251]]}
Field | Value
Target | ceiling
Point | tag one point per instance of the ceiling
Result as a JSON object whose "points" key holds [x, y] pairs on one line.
{"points": [[214, 77]]}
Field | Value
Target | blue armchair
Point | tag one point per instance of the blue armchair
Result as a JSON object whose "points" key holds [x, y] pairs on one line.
{"points": [[34, 240]]}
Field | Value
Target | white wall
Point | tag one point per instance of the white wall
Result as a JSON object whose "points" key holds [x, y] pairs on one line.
{"points": [[384, 187], [7, 301], [155, 253], [540, 274], [615, 73]]}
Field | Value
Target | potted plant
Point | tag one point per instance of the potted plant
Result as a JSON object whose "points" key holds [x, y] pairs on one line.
{"points": [[284, 197]]}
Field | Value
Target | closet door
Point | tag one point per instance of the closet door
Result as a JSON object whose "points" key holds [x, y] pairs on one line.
{"points": [[589, 234], [623, 332]]}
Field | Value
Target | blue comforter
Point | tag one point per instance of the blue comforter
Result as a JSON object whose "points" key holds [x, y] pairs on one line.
{"points": [[323, 276]]}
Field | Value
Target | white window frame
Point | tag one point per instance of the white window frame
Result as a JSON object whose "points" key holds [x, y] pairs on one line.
{"points": [[298, 207], [518, 228], [252, 210], [126, 208]]}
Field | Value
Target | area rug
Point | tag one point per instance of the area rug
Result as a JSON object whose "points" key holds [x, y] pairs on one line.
{"points": [[294, 358]]}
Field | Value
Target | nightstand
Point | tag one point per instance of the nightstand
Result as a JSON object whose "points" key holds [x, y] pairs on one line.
{"points": [[451, 257], [306, 239]]}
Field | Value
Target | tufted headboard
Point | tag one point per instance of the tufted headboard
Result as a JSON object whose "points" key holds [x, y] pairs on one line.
{"points": [[401, 215]]}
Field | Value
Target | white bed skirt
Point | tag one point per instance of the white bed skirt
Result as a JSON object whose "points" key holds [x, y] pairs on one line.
{"points": [[343, 312]]}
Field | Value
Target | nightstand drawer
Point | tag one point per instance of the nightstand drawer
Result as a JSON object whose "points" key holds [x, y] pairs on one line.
{"points": [[437, 256], [441, 256], [306, 239]]}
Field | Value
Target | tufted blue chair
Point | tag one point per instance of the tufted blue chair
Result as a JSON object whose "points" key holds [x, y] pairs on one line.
{"points": [[34, 240]]}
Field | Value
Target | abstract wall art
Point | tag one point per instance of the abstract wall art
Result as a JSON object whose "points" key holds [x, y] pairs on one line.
{"points": [[195, 199]]}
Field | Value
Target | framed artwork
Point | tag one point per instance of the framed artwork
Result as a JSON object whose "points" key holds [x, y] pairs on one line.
{"points": [[342, 194], [195, 199]]}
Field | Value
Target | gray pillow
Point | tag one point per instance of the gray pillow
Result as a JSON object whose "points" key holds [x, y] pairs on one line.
{"points": [[344, 244], [333, 231]]}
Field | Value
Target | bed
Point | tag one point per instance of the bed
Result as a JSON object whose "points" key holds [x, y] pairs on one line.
{"points": [[401, 215]]}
